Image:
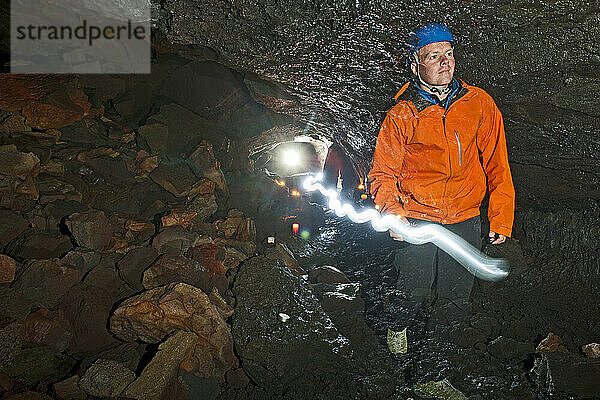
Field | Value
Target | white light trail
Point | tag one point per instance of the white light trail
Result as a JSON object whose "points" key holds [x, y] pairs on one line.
{"points": [[474, 261]]}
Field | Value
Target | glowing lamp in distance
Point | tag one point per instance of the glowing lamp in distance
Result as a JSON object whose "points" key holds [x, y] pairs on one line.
{"points": [[295, 227], [295, 193], [291, 158]]}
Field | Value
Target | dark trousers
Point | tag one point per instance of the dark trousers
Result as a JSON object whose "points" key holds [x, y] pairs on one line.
{"points": [[428, 276]]}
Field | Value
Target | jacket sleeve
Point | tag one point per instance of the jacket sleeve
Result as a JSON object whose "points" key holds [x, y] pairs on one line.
{"points": [[387, 161], [491, 142]]}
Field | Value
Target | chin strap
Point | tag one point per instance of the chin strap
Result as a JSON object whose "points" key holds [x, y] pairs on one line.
{"points": [[433, 89]]}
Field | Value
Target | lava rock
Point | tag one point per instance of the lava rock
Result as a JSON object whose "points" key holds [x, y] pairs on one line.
{"points": [[47, 328], [28, 396], [154, 137], [11, 226], [551, 344], [327, 274], [278, 351], [87, 309], [106, 378], [33, 244], [156, 313], [591, 350], [507, 348], [8, 267], [132, 266], [40, 365], [174, 240], [91, 229], [128, 355], [44, 282], [158, 379], [208, 166], [563, 375], [176, 178], [186, 129], [282, 252], [171, 268], [82, 259], [69, 390], [237, 378], [16, 163]]}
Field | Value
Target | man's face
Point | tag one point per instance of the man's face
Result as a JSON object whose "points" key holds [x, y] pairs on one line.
{"points": [[436, 63]]}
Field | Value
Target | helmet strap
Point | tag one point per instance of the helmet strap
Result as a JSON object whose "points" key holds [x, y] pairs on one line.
{"points": [[432, 88]]}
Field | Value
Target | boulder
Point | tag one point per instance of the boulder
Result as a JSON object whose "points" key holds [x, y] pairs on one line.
{"points": [[208, 166], [11, 226], [15, 163], [129, 355], [174, 240], [176, 178], [40, 365], [69, 390], [82, 259], [565, 375], [44, 282], [8, 267], [283, 253], [132, 266], [106, 378], [159, 378], [28, 396], [47, 328], [551, 344], [87, 309], [156, 313], [237, 378], [172, 268], [282, 334], [327, 274], [154, 137], [91, 229], [591, 350], [506, 348], [186, 129], [34, 244]]}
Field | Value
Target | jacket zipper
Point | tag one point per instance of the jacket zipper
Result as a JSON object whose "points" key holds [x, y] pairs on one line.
{"points": [[459, 150], [449, 164]]}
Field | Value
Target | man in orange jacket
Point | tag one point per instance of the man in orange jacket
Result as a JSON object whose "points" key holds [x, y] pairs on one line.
{"points": [[440, 148]]}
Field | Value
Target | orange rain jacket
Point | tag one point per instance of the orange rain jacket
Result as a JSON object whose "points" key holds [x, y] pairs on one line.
{"points": [[435, 164]]}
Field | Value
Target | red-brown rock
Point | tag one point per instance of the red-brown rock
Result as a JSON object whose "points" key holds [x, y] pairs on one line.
{"points": [[173, 268], [551, 344], [46, 101], [210, 256], [156, 313], [44, 282], [8, 267], [87, 309], [203, 157], [47, 328], [15, 163]]}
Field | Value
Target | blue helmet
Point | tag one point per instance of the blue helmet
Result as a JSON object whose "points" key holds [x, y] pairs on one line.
{"points": [[426, 34]]}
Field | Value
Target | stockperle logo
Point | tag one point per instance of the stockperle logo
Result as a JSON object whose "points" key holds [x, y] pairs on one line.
{"points": [[83, 36]]}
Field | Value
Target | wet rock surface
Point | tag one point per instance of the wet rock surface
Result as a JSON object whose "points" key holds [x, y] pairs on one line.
{"points": [[281, 332]]}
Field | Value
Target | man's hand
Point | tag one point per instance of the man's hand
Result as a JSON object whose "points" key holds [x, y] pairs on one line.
{"points": [[394, 235], [496, 238]]}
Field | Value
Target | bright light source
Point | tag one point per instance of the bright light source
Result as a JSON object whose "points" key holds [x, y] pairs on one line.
{"points": [[295, 227], [363, 196], [291, 158], [280, 183], [295, 193], [361, 186]]}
